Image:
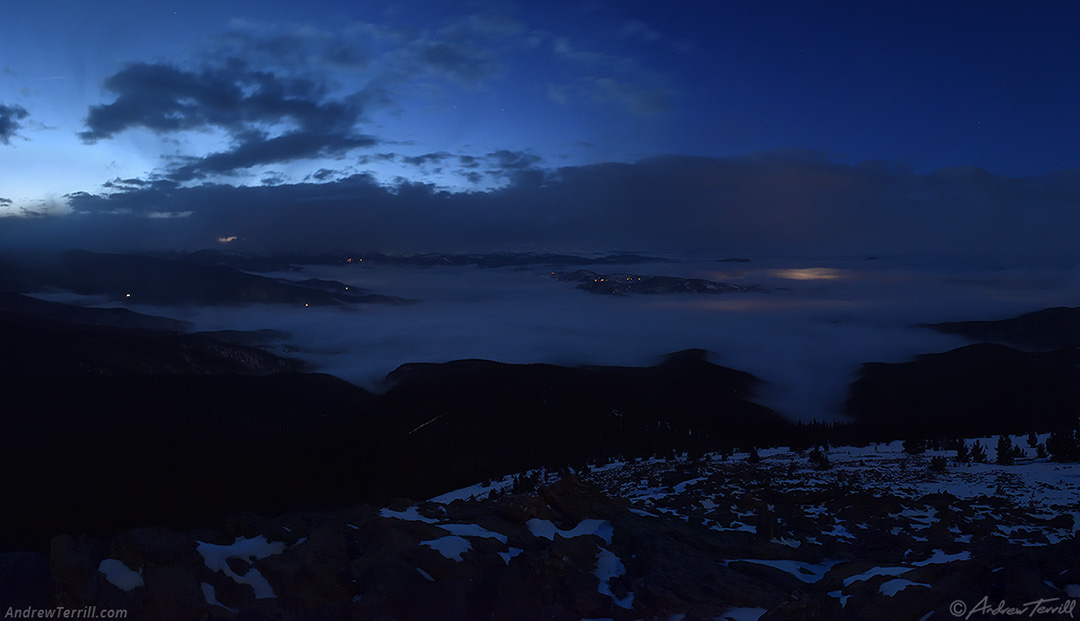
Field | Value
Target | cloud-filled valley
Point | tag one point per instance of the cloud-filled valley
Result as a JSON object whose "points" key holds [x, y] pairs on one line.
{"points": [[805, 338]]}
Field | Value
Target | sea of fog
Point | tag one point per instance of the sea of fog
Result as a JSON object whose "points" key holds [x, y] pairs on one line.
{"points": [[805, 338]]}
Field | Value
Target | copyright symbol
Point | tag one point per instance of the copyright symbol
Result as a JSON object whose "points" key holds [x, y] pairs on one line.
{"points": [[957, 608]]}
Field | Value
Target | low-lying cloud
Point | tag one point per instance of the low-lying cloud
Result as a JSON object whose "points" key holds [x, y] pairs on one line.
{"points": [[805, 339]]}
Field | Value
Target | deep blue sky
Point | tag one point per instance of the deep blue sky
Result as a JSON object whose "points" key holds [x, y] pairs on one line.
{"points": [[693, 126]]}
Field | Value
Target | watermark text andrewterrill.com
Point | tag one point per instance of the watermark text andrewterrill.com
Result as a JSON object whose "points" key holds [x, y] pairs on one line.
{"points": [[62, 612], [1055, 606]]}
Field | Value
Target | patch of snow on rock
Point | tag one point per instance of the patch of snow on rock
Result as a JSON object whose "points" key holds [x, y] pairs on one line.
{"points": [[120, 575], [472, 530], [609, 566], [544, 528], [451, 546], [742, 614], [892, 587], [216, 558], [875, 571], [511, 553], [412, 514], [809, 573]]}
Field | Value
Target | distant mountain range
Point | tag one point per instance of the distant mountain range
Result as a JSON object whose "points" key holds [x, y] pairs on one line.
{"points": [[626, 284], [162, 281], [32, 312], [1052, 328], [51, 340], [279, 262]]}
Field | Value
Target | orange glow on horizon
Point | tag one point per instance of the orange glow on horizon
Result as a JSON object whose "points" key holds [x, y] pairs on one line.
{"points": [[810, 273]]}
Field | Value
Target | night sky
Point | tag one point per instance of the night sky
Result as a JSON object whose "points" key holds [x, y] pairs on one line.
{"points": [[709, 128]]}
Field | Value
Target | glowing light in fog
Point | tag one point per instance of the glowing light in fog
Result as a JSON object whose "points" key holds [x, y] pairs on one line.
{"points": [[810, 273]]}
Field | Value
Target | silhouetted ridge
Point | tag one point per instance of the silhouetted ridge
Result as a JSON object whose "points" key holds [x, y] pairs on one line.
{"points": [[71, 341], [983, 388], [28, 311], [1051, 328], [165, 281]]}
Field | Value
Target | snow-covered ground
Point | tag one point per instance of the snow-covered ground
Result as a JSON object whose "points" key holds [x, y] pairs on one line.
{"points": [[878, 534], [879, 493]]}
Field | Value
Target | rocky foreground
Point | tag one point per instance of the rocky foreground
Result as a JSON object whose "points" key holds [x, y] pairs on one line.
{"points": [[873, 534]]}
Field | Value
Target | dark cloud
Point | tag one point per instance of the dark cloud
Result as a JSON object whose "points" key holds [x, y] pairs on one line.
{"points": [[5, 202], [164, 99], [256, 148], [125, 184], [277, 104], [501, 164], [234, 98], [377, 157], [513, 160], [324, 174], [519, 167], [428, 158], [10, 121], [791, 204]]}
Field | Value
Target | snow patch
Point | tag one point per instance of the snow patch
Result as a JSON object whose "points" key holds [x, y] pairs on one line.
{"points": [[216, 558], [544, 528], [875, 571], [742, 614], [506, 556], [609, 566], [681, 487], [894, 586], [938, 557], [472, 530], [809, 573], [120, 575], [412, 514], [451, 546]]}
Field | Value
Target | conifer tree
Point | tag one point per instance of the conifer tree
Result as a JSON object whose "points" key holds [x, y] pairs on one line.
{"points": [[1005, 451], [1063, 446], [962, 454], [978, 453]]}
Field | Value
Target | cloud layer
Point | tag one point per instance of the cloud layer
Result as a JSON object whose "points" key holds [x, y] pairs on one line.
{"points": [[779, 204]]}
